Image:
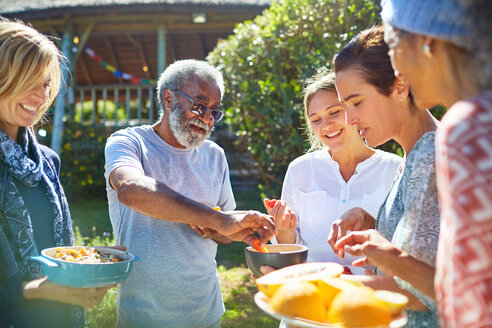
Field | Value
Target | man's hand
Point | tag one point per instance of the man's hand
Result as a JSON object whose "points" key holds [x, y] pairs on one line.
{"points": [[355, 219], [241, 226], [207, 233], [45, 289]]}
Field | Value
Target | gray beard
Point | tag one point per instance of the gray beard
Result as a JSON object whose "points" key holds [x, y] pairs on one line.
{"points": [[180, 126]]}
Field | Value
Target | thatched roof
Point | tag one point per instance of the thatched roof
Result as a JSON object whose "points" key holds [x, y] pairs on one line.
{"points": [[124, 33], [39, 9]]}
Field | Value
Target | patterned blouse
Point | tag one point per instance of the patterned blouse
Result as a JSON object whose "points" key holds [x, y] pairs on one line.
{"points": [[409, 217], [464, 171]]}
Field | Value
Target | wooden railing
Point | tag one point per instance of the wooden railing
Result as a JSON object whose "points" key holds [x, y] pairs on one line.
{"points": [[116, 105]]}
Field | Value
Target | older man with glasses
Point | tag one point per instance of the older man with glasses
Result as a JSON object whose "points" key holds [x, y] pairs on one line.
{"points": [[162, 181]]}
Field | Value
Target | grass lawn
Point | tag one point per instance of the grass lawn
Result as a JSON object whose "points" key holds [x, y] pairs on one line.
{"points": [[91, 219]]}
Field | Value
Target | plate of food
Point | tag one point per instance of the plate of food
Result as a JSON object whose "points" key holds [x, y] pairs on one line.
{"points": [[262, 301], [83, 266], [317, 295]]}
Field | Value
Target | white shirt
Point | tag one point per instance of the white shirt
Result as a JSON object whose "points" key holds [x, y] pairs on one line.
{"points": [[316, 191]]}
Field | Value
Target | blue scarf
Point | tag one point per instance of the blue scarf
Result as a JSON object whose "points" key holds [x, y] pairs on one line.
{"points": [[24, 162]]}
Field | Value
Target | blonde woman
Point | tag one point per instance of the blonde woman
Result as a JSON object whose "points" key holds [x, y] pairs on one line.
{"points": [[33, 209], [339, 172]]}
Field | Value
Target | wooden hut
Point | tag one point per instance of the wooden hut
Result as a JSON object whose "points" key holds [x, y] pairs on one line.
{"points": [[118, 48]]}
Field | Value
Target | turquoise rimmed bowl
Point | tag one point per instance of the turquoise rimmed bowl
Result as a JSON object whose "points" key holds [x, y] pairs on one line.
{"points": [[86, 275]]}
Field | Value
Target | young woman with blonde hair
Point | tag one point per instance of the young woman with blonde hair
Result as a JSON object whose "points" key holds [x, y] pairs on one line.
{"points": [[339, 172]]}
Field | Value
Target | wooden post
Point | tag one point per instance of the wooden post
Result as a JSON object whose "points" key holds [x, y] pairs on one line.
{"points": [[66, 48], [73, 67], [161, 49]]}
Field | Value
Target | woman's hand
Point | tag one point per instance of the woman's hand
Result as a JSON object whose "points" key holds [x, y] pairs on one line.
{"points": [[284, 218], [375, 249], [45, 289], [388, 258], [355, 219], [264, 269]]}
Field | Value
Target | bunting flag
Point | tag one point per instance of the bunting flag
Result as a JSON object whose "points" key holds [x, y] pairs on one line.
{"points": [[117, 73]]}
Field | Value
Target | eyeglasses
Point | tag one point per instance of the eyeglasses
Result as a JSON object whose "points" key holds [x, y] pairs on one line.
{"points": [[200, 109]]}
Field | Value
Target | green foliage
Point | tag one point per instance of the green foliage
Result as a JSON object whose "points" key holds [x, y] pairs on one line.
{"points": [[82, 157], [92, 216], [104, 314], [238, 290], [86, 109], [96, 240], [438, 111], [265, 63]]}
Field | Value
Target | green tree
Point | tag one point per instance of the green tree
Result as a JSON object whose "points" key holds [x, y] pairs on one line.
{"points": [[265, 63]]}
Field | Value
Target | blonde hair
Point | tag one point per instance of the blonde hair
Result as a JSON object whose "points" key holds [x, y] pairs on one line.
{"points": [[27, 57], [323, 79]]}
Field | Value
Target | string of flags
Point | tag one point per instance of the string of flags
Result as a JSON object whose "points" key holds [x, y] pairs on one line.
{"points": [[117, 73]]}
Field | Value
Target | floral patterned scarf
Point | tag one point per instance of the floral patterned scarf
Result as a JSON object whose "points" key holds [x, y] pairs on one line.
{"points": [[25, 162]]}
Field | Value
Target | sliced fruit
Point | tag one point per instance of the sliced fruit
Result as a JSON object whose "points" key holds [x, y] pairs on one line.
{"points": [[308, 272], [329, 287], [257, 247], [299, 299], [83, 252], [217, 208], [358, 307], [346, 270], [396, 302]]}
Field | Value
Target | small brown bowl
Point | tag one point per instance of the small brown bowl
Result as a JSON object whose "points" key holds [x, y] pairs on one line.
{"points": [[278, 256]]}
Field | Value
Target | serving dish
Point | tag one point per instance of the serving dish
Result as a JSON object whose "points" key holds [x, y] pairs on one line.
{"points": [[86, 275], [261, 301]]}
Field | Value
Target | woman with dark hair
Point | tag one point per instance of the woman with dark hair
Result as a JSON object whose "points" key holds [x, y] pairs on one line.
{"points": [[444, 48], [381, 107]]}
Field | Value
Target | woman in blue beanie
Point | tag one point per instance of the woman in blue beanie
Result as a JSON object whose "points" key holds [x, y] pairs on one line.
{"points": [[444, 49]]}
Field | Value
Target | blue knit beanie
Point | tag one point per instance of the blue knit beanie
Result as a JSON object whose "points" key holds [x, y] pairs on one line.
{"points": [[442, 19]]}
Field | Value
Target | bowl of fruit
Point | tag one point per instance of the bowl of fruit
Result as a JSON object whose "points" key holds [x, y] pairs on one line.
{"points": [[274, 255], [82, 266]]}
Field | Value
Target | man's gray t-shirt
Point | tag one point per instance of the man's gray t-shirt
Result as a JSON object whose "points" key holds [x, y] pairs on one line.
{"points": [[176, 283]]}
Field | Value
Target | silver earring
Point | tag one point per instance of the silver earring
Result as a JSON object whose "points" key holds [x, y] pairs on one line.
{"points": [[427, 51]]}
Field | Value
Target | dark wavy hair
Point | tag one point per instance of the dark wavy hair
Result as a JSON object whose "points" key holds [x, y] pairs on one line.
{"points": [[368, 54]]}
